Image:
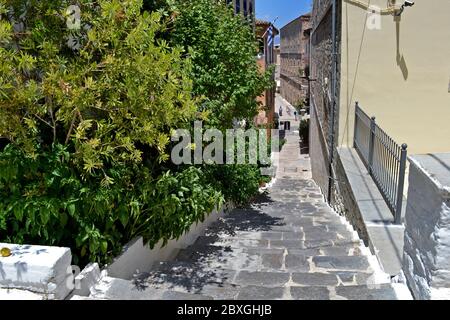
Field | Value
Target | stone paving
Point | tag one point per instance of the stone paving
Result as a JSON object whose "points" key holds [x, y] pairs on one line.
{"points": [[289, 244]]}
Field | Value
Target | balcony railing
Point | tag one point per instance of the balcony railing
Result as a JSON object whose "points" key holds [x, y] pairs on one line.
{"points": [[384, 159]]}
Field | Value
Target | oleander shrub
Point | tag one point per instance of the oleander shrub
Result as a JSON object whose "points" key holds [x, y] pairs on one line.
{"points": [[86, 117]]}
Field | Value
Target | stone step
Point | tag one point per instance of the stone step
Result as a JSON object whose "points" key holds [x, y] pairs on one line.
{"points": [[245, 286], [312, 220], [270, 261], [276, 260], [314, 196], [205, 250], [283, 184], [307, 235], [264, 222], [293, 211], [118, 289], [286, 204], [272, 244], [311, 228], [182, 275], [380, 292], [370, 292], [229, 284], [306, 183]]}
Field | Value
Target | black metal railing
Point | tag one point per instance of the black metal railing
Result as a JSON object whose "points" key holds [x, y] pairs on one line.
{"points": [[384, 159]]}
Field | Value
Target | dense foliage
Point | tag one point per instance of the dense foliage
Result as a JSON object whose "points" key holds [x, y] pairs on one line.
{"points": [[45, 200], [304, 130], [223, 49], [121, 91], [86, 117], [238, 183]]}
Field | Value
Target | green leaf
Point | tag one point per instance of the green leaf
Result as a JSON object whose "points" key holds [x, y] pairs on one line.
{"points": [[18, 212], [44, 214], [123, 216], [83, 251], [63, 218], [71, 209], [104, 246]]}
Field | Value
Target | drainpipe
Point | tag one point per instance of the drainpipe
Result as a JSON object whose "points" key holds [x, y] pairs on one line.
{"points": [[333, 100]]}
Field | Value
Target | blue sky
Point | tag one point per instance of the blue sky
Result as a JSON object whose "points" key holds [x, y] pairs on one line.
{"points": [[285, 10]]}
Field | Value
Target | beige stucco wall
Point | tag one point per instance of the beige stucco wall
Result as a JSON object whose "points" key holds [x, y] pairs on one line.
{"points": [[406, 86]]}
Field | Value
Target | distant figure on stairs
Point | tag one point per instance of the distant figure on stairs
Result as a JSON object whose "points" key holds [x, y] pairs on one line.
{"points": [[280, 111]]}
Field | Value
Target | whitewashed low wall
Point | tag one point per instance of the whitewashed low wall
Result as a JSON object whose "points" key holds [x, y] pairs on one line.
{"points": [[426, 262], [41, 272], [35, 272], [138, 257]]}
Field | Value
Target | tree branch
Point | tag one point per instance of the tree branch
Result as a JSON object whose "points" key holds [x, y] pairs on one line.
{"points": [[46, 122], [54, 123], [72, 124]]}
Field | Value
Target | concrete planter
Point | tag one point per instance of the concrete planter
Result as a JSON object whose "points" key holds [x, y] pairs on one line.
{"points": [[137, 256], [45, 273], [35, 272]]}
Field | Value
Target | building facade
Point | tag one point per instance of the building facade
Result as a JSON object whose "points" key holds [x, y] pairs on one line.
{"points": [[371, 55], [244, 7], [321, 85], [294, 58], [394, 61], [278, 67], [266, 34]]}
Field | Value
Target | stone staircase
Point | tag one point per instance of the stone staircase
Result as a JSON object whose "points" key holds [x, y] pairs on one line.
{"points": [[289, 244]]}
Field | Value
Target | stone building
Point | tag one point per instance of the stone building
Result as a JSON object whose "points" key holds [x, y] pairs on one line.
{"points": [[380, 64], [266, 33], [244, 7], [278, 67], [295, 60], [371, 54], [321, 74]]}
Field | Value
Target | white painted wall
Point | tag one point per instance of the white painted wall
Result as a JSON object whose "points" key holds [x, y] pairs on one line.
{"points": [[39, 269], [138, 257]]}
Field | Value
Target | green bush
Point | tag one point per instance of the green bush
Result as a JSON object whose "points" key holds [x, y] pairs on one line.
{"points": [[238, 183], [87, 126], [304, 130], [87, 129], [300, 104], [223, 48], [45, 201]]}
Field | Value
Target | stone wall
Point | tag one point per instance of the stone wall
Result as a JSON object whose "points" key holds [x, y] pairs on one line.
{"points": [[321, 70], [321, 53], [295, 60], [344, 200], [427, 235], [318, 151]]}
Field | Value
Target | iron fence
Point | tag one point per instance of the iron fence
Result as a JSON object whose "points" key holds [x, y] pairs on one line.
{"points": [[384, 159]]}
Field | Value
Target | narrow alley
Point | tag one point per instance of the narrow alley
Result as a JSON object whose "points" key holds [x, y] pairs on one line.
{"points": [[287, 245]]}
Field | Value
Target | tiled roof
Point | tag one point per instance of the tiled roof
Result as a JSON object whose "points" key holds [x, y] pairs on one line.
{"points": [[260, 22], [263, 23]]}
